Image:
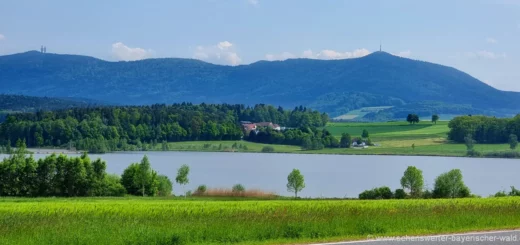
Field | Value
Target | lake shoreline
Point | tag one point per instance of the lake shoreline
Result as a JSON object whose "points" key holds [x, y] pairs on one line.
{"points": [[65, 151]]}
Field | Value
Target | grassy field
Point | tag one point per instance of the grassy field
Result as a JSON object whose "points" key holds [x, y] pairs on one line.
{"points": [[209, 221], [393, 138]]}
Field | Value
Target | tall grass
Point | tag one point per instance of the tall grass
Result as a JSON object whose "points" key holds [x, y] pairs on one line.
{"points": [[224, 192], [166, 221]]}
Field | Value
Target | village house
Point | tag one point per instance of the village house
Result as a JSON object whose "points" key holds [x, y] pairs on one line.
{"points": [[249, 126]]}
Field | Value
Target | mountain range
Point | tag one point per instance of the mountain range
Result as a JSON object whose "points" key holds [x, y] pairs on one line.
{"points": [[333, 86]]}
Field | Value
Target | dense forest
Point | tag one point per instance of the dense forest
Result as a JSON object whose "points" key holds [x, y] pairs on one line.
{"points": [[307, 138], [483, 129], [102, 129]]}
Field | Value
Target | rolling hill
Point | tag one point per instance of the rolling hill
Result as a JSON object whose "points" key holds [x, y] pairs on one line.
{"points": [[334, 86]]}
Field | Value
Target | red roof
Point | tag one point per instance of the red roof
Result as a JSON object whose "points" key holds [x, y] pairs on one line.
{"points": [[249, 127]]}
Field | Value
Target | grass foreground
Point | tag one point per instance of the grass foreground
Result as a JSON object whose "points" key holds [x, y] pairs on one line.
{"points": [[217, 221]]}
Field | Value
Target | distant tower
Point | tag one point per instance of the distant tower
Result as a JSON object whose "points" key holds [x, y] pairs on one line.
{"points": [[41, 49], [44, 50], [380, 46]]}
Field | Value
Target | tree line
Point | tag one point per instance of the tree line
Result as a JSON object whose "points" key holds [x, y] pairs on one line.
{"points": [[306, 137], [447, 185], [21, 175], [101, 129], [483, 129]]}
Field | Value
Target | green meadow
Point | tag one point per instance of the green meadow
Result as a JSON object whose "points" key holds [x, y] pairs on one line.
{"points": [[392, 138], [213, 221]]}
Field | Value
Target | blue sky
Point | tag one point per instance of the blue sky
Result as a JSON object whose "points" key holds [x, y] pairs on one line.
{"points": [[480, 37]]}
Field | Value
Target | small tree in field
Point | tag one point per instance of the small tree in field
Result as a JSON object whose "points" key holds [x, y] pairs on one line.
{"points": [[365, 134], [182, 176], [513, 141], [413, 180], [295, 182], [435, 118]]}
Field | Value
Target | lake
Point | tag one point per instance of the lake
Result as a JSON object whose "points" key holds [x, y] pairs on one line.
{"points": [[325, 175]]}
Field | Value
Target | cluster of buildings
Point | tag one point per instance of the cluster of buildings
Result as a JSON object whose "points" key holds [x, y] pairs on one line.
{"points": [[249, 126]]}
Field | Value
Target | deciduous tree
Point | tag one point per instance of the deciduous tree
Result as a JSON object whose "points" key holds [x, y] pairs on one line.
{"points": [[295, 182], [413, 181]]}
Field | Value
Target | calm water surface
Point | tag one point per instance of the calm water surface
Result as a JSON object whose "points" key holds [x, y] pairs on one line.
{"points": [[325, 175]]}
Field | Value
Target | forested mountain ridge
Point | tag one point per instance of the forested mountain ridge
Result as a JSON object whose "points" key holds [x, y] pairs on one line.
{"points": [[22, 103], [372, 80]]}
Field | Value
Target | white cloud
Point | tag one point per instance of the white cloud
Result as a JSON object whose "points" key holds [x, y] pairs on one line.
{"points": [[483, 54], [253, 2], [404, 54], [2, 37], [307, 54], [326, 54], [224, 45], [491, 40], [122, 52], [282, 56], [221, 53]]}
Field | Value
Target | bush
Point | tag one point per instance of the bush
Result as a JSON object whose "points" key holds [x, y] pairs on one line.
{"points": [[164, 186], [514, 191], [500, 194], [427, 194], [400, 194], [201, 190], [267, 149], [112, 186], [473, 153], [503, 154], [377, 193], [450, 185], [238, 188]]}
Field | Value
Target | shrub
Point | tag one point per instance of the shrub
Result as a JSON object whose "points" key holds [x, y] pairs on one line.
{"points": [[201, 190], [503, 154], [514, 191], [400, 194], [164, 185], [238, 188], [450, 185], [500, 194], [473, 153], [427, 194], [112, 186], [267, 149], [377, 193]]}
